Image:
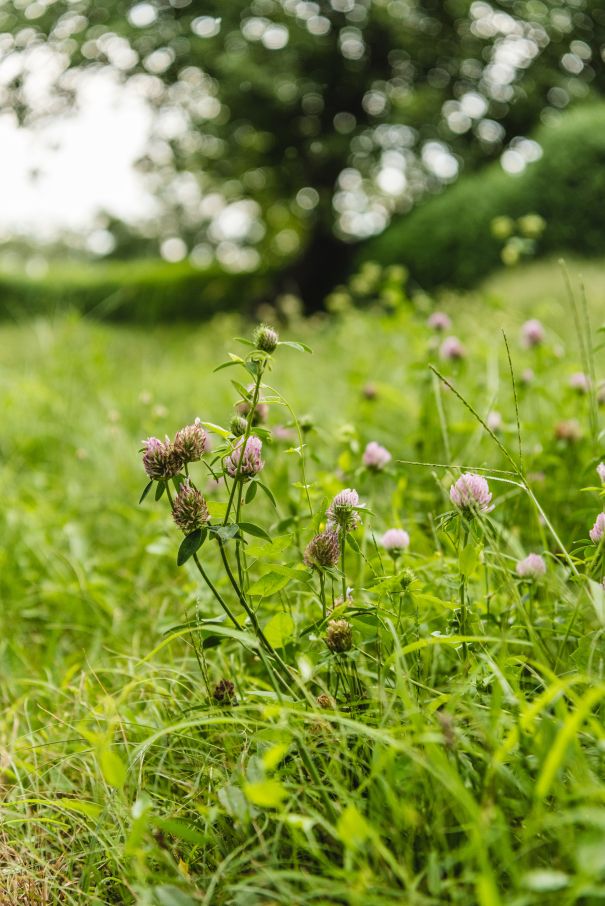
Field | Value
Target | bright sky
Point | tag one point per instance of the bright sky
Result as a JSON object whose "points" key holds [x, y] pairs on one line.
{"points": [[84, 161]]}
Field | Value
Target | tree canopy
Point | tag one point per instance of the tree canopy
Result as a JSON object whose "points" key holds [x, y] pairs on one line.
{"points": [[288, 129]]}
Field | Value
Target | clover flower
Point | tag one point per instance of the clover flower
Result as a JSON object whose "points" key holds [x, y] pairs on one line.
{"points": [[532, 333], [471, 493], [452, 350], [265, 338], [246, 459], [342, 512], [160, 459], [439, 321], [224, 692], [579, 382], [191, 442], [339, 636], [376, 457], [601, 472], [190, 510], [527, 376], [531, 567], [323, 550], [395, 541], [598, 529]]}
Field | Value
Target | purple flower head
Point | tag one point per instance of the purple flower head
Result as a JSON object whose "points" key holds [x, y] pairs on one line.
{"points": [[471, 493], [579, 382], [190, 511], [247, 459], [191, 442], [452, 350], [601, 472], [375, 457], [323, 550], [596, 532], [532, 567], [342, 512], [439, 321], [395, 541], [532, 333], [160, 460]]}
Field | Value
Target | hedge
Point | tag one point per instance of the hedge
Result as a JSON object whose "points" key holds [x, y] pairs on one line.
{"points": [[447, 240], [144, 290]]}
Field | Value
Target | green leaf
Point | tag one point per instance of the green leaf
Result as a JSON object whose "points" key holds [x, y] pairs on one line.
{"points": [[216, 429], [268, 584], [234, 802], [279, 629], [353, 543], [190, 545], [182, 830], [244, 341], [226, 365], [243, 391], [262, 549], [273, 756], [469, 558], [353, 828], [251, 529], [160, 489], [146, 491], [268, 492], [113, 768], [266, 793], [169, 895], [301, 347], [224, 533], [251, 492]]}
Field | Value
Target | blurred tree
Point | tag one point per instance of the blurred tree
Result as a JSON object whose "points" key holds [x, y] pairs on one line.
{"points": [[288, 129]]}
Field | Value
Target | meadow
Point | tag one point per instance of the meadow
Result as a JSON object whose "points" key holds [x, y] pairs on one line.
{"points": [[417, 720]]}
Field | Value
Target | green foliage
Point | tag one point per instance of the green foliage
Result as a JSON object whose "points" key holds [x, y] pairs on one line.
{"points": [[449, 239]]}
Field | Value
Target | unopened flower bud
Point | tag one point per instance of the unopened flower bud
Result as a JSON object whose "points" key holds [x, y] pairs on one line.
{"points": [[339, 636], [190, 511], [406, 578], [265, 338], [326, 701], [238, 425]]}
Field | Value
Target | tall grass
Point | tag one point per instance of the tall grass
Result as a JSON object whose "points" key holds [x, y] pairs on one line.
{"points": [[468, 765]]}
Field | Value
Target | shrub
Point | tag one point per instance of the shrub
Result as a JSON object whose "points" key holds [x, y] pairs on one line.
{"points": [[448, 240]]}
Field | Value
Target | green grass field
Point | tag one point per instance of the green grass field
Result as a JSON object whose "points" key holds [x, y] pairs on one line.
{"points": [[459, 755]]}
